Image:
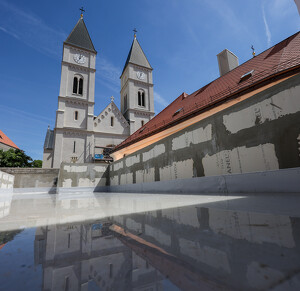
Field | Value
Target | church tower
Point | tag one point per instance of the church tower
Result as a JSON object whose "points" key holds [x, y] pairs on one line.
{"points": [[137, 102], [73, 133]]}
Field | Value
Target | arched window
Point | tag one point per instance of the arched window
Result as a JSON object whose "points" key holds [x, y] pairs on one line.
{"points": [[76, 115], [141, 98], [112, 121], [78, 85], [75, 85]]}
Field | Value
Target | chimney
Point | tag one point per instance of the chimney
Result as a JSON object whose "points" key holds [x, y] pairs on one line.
{"points": [[227, 61]]}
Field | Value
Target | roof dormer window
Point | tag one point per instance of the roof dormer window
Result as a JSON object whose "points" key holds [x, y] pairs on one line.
{"points": [[246, 76], [177, 111]]}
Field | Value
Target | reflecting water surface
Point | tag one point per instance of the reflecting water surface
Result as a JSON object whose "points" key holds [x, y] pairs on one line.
{"points": [[91, 241]]}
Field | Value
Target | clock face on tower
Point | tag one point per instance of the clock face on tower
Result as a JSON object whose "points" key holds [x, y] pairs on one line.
{"points": [[140, 75], [79, 58]]}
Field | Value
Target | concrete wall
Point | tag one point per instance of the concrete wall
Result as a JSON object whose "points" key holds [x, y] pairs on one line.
{"points": [[82, 175], [261, 133], [6, 180], [33, 177]]}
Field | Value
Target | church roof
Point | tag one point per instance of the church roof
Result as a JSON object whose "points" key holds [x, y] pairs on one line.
{"points": [[6, 140], [136, 56], [276, 61], [80, 37], [49, 139]]}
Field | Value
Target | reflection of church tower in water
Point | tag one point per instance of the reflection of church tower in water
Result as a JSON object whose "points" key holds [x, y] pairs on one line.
{"points": [[89, 257], [82, 257]]}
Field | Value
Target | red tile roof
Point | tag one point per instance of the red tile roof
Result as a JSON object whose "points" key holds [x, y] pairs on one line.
{"points": [[276, 60], [5, 140]]}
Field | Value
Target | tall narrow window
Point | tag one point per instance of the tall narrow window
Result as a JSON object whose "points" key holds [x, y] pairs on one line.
{"points": [[125, 102], [75, 85], [76, 115], [74, 147], [143, 99], [66, 283], [80, 86], [112, 121], [142, 123]]}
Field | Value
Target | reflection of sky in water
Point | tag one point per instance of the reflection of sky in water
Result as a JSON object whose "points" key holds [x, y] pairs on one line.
{"points": [[17, 268], [97, 242]]}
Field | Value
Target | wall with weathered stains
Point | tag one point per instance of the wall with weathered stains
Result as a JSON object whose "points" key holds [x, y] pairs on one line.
{"points": [[33, 177], [6, 181], [261, 133], [82, 175]]}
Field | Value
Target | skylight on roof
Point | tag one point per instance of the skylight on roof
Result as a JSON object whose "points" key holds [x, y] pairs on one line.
{"points": [[177, 111], [246, 76]]}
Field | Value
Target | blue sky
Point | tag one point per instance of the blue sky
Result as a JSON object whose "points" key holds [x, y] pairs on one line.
{"points": [[180, 39]]}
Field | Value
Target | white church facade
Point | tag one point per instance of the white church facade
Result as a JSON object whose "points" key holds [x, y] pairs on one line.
{"points": [[79, 135]]}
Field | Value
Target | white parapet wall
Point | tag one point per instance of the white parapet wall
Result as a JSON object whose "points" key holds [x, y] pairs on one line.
{"points": [[6, 181], [83, 175]]}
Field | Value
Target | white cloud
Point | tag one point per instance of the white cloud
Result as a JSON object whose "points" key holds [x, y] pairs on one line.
{"points": [[268, 33], [21, 115], [107, 71], [30, 29], [229, 16], [9, 32], [160, 100]]}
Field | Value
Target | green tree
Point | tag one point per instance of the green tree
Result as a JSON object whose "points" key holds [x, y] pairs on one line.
{"points": [[37, 164], [14, 158]]}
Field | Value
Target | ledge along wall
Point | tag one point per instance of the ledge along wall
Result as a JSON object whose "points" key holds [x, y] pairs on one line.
{"points": [[82, 175], [261, 133], [33, 177]]}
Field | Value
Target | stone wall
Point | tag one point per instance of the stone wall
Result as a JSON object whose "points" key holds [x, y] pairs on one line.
{"points": [[259, 134], [6, 181], [33, 177], [82, 175]]}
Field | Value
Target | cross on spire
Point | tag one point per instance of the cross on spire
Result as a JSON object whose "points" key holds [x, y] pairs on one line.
{"points": [[253, 51], [82, 10], [135, 31]]}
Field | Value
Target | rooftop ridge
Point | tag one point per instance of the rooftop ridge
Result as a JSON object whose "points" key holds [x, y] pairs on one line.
{"points": [[226, 86]]}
